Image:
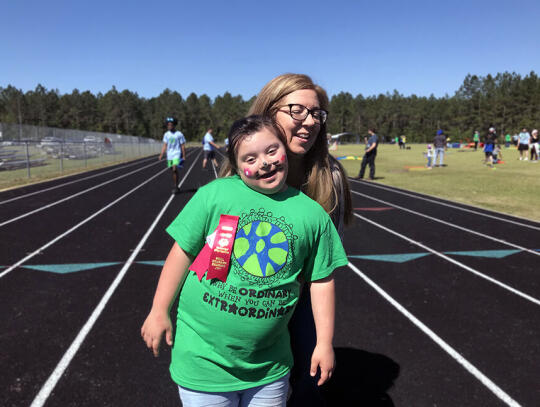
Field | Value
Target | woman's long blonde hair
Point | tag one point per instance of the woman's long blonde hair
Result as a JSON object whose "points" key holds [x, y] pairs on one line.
{"points": [[325, 179]]}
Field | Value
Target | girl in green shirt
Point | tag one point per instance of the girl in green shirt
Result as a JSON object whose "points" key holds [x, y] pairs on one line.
{"points": [[232, 344]]}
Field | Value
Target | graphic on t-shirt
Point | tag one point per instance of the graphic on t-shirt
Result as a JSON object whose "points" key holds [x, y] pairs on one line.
{"points": [[261, 248]]}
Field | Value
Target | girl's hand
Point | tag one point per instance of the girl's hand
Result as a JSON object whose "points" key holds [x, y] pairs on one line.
{"points": [[323, 357], [153, 328]]}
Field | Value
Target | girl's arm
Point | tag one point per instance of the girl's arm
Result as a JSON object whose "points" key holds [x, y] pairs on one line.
{"points": [[158, 321], [323, 305]]}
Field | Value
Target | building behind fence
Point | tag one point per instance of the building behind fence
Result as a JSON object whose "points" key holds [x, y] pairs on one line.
{"points": [[47, 151]]}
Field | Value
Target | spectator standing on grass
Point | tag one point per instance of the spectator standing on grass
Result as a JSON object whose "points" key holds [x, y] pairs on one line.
{"points": [[174, 143], [439, 142], [476, 139], [507, 140], [515, 139], [430, 155], [209, 148], [369, 156], [489, 145], [534, 146], [523, 145]]}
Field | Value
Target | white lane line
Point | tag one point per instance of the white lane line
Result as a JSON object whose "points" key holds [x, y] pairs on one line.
{"points": [[24, 215], [402, 192], [61, 367], [214, 168], [439, 341], [74, 181], [457, 263], [57, 238], [450, 224]]}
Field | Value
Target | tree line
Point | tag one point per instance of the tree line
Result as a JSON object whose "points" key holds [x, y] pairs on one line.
{"points": [[507, 101]]}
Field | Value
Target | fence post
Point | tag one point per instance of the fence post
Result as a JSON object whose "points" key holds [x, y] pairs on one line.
{"points": [[62, 156], [27, 159], [85, 158]]}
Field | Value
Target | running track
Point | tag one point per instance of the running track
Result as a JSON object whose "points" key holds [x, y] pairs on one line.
{"points": [[440, 304]]}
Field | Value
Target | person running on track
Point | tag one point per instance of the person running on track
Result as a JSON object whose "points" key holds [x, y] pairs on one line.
{"points": [[174, 143], [232, 345]]}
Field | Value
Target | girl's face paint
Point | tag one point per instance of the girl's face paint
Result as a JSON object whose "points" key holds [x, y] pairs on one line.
{"points": [[262, 146], [283, 158]]}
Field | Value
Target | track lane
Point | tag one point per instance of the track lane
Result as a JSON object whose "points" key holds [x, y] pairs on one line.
{"points": [[492, 328], [442, 240], [64, 306], [27, 191], [43, 229]]}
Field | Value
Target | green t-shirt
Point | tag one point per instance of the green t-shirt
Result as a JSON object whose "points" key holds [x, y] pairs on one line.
{"points": [[476, 137], [508, 137], [233, 336]]}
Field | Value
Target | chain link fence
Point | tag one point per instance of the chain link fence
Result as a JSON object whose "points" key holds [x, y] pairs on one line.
{"points": [[45, 152]]}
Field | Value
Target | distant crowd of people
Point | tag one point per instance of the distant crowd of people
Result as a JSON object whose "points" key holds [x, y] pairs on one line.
{"points": [[526, 143]]}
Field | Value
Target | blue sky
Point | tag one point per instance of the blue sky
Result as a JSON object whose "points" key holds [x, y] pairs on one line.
{"points": [[210, 47]]}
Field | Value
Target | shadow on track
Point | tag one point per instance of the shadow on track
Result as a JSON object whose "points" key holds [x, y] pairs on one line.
{"points": [[361, 378]]}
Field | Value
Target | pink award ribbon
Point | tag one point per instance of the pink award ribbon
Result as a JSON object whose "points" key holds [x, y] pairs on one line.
{"points": [[215, 256]]}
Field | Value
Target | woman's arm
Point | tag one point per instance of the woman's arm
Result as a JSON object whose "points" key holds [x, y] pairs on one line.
{"points": [[158, 321], [323, 305]]}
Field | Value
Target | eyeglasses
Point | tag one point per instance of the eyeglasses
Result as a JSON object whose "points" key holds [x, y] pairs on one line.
{"points": [[300, 112]]}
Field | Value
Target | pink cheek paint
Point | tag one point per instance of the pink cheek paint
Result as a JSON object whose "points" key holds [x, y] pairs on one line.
{"points": [[248, 173], [283, 158]]}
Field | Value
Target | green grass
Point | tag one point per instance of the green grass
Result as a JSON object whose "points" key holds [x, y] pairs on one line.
{"points": [[513, 187]]}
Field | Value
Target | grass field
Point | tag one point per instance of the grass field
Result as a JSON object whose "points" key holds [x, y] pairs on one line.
{"points": [[513, 187]]}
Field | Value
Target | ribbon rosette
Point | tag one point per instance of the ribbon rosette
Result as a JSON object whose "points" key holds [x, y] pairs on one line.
{"points": [[215, 256]]}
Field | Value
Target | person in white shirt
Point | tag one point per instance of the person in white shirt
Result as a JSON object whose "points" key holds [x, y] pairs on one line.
{"points": [[209, 148], [523, 146], [174, 143]]}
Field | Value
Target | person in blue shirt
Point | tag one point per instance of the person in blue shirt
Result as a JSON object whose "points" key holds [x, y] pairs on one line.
{"points": [[209, 148], [369, 156], [174, 143]]}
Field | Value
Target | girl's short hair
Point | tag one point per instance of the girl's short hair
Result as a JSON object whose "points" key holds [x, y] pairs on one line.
{"points": [[248, 126]]}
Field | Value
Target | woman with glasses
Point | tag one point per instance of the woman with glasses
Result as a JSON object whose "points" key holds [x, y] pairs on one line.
{"points": [[300, 109]]}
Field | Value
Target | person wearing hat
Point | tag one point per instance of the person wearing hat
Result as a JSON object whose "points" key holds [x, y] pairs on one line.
{"points": [[174, 143], [439, 142], [523, 145]]}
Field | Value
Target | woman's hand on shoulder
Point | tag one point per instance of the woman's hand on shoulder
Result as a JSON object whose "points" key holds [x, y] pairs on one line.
{"points": [[156, 324]]}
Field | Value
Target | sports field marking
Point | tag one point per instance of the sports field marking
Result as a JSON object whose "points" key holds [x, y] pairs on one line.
{"points": [[120, 167], [402, 192], [24, 215], [501, 394], [61, 367], [214, 168], [457, 263], [474, 232], [57, 238]]}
